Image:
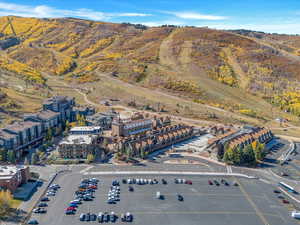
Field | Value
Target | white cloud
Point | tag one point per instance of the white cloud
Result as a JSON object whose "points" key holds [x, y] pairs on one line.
{"points": [[48, 12], [159, 23], [195, 16]]}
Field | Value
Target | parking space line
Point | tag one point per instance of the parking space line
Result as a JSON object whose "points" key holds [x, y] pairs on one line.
{"points": [[201, 213], [258, 212]]}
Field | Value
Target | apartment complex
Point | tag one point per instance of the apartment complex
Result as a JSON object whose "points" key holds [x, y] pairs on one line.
{"points": [[241, 138], [30, 132], [155, 139], [11, 177], [130, 127], [81, 142]]}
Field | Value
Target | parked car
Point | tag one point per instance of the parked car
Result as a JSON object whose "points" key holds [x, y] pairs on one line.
{"points": [[33, 221], [39, 210], [164, 181], [88, 217], [235, 184], [124, 181], [189, 182], [82, 217], [42, 204], [93, 217], [276, 191], [111, 202], [210, 182], [69, 212], [100, 217], [216, 183], [113, 217], [70, 208], [128, 217], [45, 199], [285, 201], [179, 197], [106, 217], [130, 188], [123, 217]]}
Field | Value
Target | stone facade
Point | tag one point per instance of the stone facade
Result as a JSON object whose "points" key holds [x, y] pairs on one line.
{"points": [[81, 142]]}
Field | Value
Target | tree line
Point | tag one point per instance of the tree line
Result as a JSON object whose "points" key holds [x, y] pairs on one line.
{"points": [[248, 155]]}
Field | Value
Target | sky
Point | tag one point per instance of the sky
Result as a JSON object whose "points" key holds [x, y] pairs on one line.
{"points": [[272, 16]]}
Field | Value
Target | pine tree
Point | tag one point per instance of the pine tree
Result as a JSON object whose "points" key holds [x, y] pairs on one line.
{"points": [[2, 154], [34, 159], [249, 155], [142, 153], [49, 134], [11, 156], [67, 126], [228, 156]]}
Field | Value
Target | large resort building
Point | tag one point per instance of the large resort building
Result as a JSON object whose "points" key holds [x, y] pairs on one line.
{"points": [[81, 142], [148, 134], [27, 133]]}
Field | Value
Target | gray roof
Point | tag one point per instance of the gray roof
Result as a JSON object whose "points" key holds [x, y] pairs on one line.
{"points": [[57, 99], [6, 135], [20, 126], [47, 114]]}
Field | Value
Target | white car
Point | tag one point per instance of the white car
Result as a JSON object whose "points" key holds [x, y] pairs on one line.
{"points": [[50, 194]]}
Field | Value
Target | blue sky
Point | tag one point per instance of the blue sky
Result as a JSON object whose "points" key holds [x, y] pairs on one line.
{"points": [[279, 16]]}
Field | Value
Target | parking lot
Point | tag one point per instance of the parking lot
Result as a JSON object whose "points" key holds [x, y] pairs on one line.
{"points": [[250, 203]]}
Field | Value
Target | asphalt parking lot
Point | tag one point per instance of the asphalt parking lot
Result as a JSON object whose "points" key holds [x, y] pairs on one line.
{"points": [[250, 203]]}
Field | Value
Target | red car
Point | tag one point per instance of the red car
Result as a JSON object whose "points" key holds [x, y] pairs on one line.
{"points": [[70, 209], [93, 187], [285, 201], [189, 182], [210, 182]]}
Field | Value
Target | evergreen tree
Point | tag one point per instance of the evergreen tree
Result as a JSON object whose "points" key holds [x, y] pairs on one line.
{"points": [[67, 126], [11, 156], [249, 155], [2, 154], [238, 156], [259, 151], [221, 149], [228, 156], [34, 158], [49, 134], [142, 153]]}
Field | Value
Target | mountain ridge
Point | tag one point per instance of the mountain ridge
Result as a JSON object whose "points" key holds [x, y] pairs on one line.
{"points": [[230, 70]]}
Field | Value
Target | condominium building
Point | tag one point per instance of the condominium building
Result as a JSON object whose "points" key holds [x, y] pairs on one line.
{"points": [[11, 177], [62, 104], [130, 127], [81, 142]]}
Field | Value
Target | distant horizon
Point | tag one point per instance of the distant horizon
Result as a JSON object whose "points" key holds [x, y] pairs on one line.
{"points": [[269, 16], [68, 17]]}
